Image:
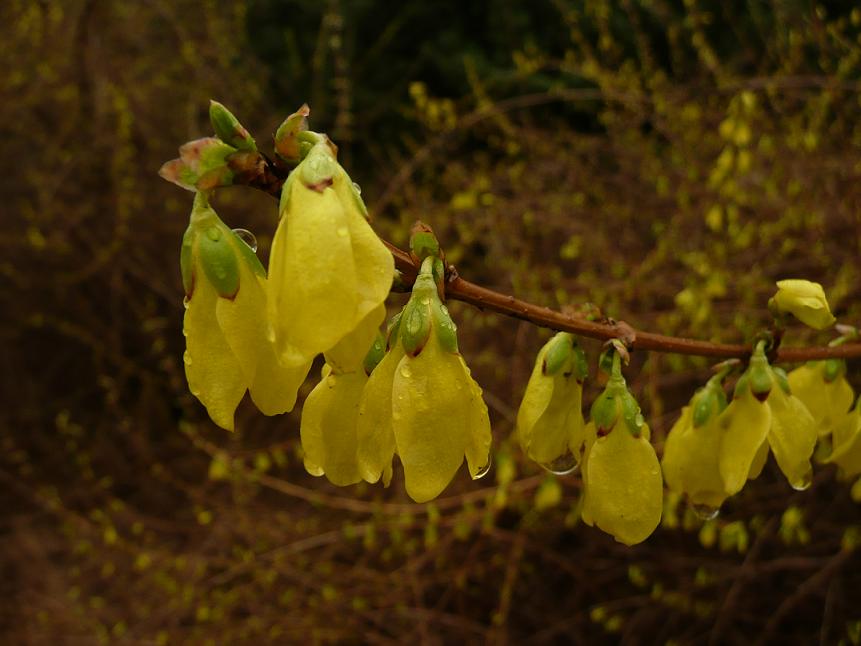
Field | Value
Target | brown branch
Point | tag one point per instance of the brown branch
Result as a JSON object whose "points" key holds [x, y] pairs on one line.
{"points": [[263, 175]]}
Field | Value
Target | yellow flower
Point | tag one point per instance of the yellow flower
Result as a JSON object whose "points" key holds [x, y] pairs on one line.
{"points": [[805, 300], [328, 269], [622, 484], [846, 444], [330, 413], [822, 387], [690, 462], [550, 423], [228, 341], [764, 409], [421, 402]]}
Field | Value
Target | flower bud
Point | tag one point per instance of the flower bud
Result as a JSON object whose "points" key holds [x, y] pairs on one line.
{"points": [[805, 300]]}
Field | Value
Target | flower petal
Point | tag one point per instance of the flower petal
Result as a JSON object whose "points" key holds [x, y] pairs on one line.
{"points": [[744, 425], [374, 432], [792, 436]]}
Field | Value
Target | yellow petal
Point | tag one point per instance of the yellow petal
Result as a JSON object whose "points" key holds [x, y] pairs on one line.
{"points": [[349, 353], [806, 301], [759, 461], [847, 444], [375, 435], [434, 412], [274, 383], [827, 401], [478, 442], [792, 437], [213, 371], [744, 425], [590, 434], [625, 488], [328, 427], [690, 461], [312, 276], [536, 398]]}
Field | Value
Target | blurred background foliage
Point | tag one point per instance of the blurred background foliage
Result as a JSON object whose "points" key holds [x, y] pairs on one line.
{"points": [[665, 159]]}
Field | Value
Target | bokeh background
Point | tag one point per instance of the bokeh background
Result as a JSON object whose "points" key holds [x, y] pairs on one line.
{"points": [[664, 159]]}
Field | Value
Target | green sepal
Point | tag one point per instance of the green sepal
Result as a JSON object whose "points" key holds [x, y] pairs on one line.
{"points": [[580, 365], [782, 379], [605, 410], [228, 128], [705, 407], [760, 374], [559, 355], [218, 258], [446, 330], [393, 329], [833, 368], [318, 168], [286, 189], [605, 361], [375, 354], [186, 261], [741, 386], [632, 414], [415, 326], [423, 244]]}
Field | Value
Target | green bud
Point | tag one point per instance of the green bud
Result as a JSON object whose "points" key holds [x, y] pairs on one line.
{"points": [[741, 386], [605, 410], [203, 165], [760, 374], [228, 128], [288, 145], [423, 243], [631, 413], [375, 354], [415, 326]]}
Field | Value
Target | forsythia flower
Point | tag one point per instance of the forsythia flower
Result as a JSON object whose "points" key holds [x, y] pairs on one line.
{"points": [[622, 485], [329, 415], [846, 444], [328, 269], [822, 387], [421, 402], [806, 301], [690, 461], [228, 341], [763, 414], [550, 423]]}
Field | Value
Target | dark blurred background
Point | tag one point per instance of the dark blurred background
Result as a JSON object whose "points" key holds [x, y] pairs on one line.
{"points": [[666, 160]]}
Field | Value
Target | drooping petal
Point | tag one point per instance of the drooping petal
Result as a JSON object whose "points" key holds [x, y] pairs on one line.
{"points": [[625, 488], [433, 412], [590, 434], [691, 460], [536, 398], [792, 437], [478, 442], [759, 461], [213, 372], [374, 431], [847, 444], [827, 401], [349, 353], [744, 426], [328, 427]]}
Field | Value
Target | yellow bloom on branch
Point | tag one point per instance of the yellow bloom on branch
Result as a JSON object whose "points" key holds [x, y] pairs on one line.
{"points": [[421, 402], [550, 424], [805, 300], [328, 270], [823, 388], [229, 346]]}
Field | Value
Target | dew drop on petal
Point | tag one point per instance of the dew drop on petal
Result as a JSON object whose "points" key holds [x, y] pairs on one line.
{"points": [[563, 465], [213, 234], [247, 237], [186, 357], [343, 232], [406, 372], [483, 471], [705, 512], [357, 188], [805, 482]]}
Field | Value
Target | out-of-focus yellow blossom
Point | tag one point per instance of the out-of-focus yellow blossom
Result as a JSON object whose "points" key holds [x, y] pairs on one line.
{"points": [[846, 444], [805, 300], [622, 483], [421, 401], [763, 409], [822, 387], [328, 270], [550, 424], [690, 462], [329, 416], [229, 346]]}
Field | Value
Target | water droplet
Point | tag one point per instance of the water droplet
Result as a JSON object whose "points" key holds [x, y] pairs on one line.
{"points": [[357, 188], [483, 471], [563, 465], [247, 237], [805, 482], [705, 512], [425, 300], [406, 372], [213, 233], [343, 232], [186, 358]]}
